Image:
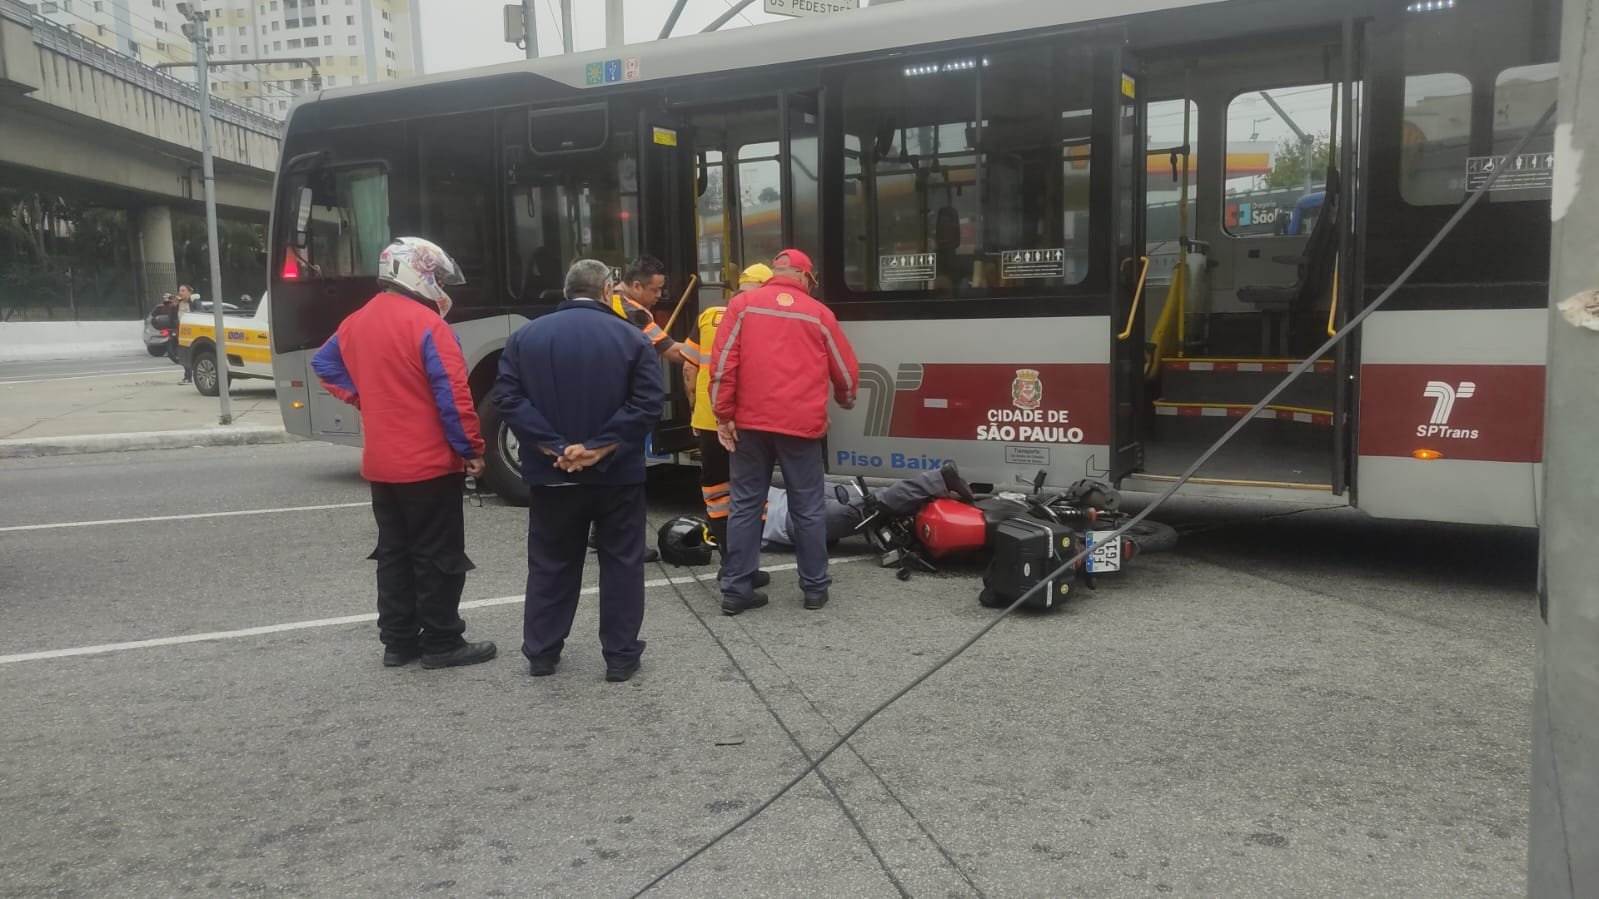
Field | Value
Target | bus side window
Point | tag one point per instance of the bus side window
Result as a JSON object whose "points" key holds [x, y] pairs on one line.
{"points": [[456, 198], [963, 176], [1269, 167], [1521, 95], [567, 206], [1436, 140], [348, 221]]}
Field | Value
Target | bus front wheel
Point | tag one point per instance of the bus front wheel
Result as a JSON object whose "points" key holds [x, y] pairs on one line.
{"points": [[502, 465]]}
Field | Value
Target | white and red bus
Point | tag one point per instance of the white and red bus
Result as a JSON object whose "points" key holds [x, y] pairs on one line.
{"points": [[1077, 238]]}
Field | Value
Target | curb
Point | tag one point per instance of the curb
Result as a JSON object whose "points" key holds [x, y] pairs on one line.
{"points": [[29, 448]]}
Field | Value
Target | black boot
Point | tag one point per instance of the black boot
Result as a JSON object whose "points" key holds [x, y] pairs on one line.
{"points": [[719, 534], [465, 654], [954, 483]]}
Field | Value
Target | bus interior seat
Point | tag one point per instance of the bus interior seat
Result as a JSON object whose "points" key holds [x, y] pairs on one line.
{"points": [[1278, 304]]}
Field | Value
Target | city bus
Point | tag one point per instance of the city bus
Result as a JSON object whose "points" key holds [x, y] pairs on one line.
{"points": [[988, 191]]}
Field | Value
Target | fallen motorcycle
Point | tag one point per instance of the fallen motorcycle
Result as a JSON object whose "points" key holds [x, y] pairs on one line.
{"points": [[1030, 534]]}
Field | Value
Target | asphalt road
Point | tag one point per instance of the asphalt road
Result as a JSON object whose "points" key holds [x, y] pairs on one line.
{"points": [[1308, 705], [135, 361]]}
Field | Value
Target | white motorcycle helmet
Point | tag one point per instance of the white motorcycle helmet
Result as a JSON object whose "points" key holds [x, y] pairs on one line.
{"points": [[421, 268]]}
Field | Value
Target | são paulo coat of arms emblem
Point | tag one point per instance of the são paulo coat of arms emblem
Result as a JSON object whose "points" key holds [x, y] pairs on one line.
{"points": [[1027, 391]]}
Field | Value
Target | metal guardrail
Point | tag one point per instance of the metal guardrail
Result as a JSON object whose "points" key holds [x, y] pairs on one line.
{"points": [[63, 40]]}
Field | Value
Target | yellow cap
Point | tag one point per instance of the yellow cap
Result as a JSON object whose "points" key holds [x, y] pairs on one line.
{"points": [[755, 274]]}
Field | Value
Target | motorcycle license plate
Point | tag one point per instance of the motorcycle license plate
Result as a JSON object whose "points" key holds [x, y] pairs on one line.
{"points": [[1105, 552]]}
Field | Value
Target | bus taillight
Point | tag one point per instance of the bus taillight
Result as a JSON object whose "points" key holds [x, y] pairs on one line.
{"points": [[291, 266]]}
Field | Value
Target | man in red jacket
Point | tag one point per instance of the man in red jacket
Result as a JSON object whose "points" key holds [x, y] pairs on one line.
{"points": [[773, 411], [398, 362]]}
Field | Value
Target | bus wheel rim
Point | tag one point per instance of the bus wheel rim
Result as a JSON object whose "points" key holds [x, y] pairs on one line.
{"points": [[510, 448]]}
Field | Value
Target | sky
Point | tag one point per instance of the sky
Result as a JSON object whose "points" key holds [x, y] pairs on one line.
{"points": [[459, 34]]}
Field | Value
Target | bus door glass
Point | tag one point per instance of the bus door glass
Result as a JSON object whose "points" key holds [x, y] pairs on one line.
{"points": [[801, 184], [1131, 272], [667, 188], [571, 193]]}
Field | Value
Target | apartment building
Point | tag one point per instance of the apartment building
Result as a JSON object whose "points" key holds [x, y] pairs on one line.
{"points": [[348, 41]]}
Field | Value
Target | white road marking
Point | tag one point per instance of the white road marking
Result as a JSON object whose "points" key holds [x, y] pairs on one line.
{"points": [[103, 648], [110, 374], [188, 517]]}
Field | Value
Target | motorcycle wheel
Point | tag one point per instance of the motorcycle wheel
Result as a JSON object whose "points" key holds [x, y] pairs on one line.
{"points": [[1152, 536]]}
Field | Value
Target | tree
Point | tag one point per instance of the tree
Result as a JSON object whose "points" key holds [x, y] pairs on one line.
{"points": [[769, 195], [1288, 169]]}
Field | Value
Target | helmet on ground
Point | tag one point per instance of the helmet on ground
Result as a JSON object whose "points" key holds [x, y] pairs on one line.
{"points": [[421, 268], [685, 541]]}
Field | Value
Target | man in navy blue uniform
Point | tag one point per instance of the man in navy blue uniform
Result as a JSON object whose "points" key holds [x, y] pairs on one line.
{"points": [[581, 389]]}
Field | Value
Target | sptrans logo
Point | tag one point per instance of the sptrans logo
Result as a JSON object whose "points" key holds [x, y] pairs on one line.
{"points": [[1444, 397]]}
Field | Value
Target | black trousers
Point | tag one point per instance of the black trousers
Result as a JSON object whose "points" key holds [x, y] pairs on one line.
{"points": [[422, 563], [558, 524], [176, 355]]}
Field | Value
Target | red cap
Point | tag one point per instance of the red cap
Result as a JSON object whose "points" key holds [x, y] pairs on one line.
{"points": [[796, 260]]}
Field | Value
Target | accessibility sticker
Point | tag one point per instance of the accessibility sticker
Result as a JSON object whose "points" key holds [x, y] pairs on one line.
{"points": [[1529, 171], [907, 267], [1021, 264]]}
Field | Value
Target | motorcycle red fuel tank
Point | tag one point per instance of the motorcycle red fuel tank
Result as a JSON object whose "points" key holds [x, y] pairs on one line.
{"points": [[947, 526]]}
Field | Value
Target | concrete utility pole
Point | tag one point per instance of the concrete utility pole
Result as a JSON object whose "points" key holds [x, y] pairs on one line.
{"points": [[614, 36], [194, 30], [530, 29], [1561, 859], [566, 26]]}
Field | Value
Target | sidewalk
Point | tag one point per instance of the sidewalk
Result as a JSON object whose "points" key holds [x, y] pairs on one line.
{"points": [[116, 413]]}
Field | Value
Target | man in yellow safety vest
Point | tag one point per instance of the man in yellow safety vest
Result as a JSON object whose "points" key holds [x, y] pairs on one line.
{"points": [[715, 473]]}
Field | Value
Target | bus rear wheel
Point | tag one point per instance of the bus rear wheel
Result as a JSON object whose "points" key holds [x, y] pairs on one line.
{"points": [[502, 464]]}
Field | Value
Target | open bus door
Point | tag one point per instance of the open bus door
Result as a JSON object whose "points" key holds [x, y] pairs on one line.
{"points": [[666, 186], [1353, 150], [1130, 276]]}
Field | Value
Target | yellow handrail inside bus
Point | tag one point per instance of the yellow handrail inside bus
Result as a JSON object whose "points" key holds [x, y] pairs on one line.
{"points": [[1132, 314], [1165, 326], [1332, 313]]}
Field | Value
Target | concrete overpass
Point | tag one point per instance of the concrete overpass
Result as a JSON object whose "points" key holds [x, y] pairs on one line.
{"points": [[79, 119]]}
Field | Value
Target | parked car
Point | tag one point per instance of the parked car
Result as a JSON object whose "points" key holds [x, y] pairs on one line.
{"points": [[155, 339], [249, 352]]}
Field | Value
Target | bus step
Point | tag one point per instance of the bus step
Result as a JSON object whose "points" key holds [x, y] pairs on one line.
{"points": [[1230, 382]]}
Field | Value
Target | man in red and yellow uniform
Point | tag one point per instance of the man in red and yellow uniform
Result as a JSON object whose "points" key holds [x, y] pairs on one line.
{"points": [[777, 352], [715, 474]]}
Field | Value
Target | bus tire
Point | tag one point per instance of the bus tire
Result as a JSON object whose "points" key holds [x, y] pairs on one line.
{"points": [[502, 471], [206, 377]]}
